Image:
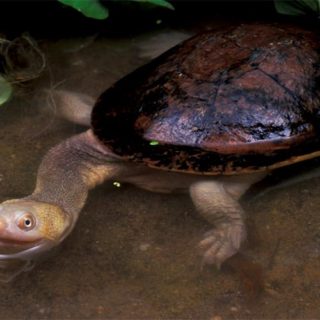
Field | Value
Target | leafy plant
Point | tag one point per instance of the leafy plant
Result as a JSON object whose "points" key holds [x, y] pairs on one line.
{"points": [[5, 90], [298, 7], [96, 10]]}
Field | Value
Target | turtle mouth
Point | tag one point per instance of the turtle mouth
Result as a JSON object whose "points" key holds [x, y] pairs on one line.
{"points": [[17, 249], [11, 246], [20, 256]]}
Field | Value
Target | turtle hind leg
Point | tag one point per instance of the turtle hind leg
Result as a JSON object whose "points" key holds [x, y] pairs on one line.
{"points": [[220, 207]]}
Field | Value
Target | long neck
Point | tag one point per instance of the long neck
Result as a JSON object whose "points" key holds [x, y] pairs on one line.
{"points": [[71, 169]]}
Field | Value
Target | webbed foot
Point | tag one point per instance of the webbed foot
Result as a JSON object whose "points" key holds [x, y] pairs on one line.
{"points": [[218, 203], [222, 242]]}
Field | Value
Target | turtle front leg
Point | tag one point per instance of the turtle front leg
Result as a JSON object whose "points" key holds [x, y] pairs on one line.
{"points": [[75, 107], [222, 209]]}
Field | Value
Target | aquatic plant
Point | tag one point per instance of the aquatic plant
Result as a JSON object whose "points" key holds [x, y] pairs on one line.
{"points": [[96, 10], [298, 7], [5, 90], [21, 60]]}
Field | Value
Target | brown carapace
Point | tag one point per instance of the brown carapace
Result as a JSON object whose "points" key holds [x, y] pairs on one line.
{"points": [[234, 101]]}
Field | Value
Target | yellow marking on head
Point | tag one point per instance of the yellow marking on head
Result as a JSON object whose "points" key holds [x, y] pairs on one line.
{"points": [[52, 220]]}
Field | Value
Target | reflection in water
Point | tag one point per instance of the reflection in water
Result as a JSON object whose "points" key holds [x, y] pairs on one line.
{"points": [[15, 259], [11, 268]]}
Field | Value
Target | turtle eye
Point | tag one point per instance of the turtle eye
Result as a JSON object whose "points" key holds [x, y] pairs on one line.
{"points": [[26, 222]]}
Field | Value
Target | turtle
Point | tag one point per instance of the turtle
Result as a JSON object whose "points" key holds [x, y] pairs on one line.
{"points": [[211, 116]]}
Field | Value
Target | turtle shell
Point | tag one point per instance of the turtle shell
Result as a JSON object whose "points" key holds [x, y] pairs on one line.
{"points": [[223, 102]]}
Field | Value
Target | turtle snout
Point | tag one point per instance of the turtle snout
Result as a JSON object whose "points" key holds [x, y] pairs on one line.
{"points": [[3, 225]]}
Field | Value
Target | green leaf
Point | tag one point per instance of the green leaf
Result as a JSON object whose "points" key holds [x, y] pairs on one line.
{"points": [[312, 4], [89, 8], [159, 3], [297, 7], [5, 90]]}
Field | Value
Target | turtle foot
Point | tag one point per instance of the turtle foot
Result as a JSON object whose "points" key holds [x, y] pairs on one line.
{"points": [[222, 242]]}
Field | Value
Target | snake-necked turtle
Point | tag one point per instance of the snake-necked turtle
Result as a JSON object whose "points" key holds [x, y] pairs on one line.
{"points": [[211, 116]]}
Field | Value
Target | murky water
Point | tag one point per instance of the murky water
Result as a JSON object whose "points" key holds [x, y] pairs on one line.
{"points": [[133, 254]]}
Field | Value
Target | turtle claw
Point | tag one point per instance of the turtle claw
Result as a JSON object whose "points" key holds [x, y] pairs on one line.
{"points": [[221, 243]]}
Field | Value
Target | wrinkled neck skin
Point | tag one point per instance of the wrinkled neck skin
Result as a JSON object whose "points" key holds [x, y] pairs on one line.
{"points": [[65, 176], [70, 170]]}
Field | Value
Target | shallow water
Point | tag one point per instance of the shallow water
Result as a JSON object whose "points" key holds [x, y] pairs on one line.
{"points": [[133, 254]]}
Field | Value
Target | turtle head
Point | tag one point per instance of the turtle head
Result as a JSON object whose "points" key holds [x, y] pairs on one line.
{"points": [[29, 229], [24, 223]]}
